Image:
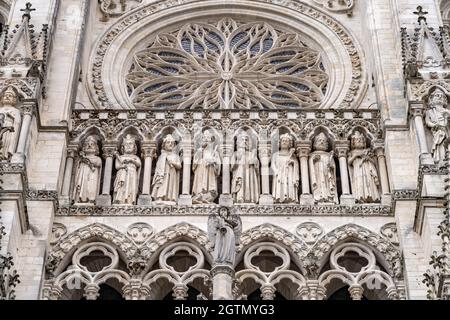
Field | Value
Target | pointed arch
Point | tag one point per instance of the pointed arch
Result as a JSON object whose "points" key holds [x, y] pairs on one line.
{"points": [[182, 231], [61, 253], [387, 254], [296, 246]]}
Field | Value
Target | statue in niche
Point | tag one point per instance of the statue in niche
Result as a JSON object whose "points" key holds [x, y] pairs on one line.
{"points": [[245, 168], [206, 167], [436, 118], [11, 119], [166, 181], [224, 232], [128, 166], [322, 167], [88, 174], [363, 171], [286, 173]]}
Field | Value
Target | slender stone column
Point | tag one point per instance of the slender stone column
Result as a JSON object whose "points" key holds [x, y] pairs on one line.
{"points": [[223, 277], [303, 151], [65, 192], [264, 156], [19, 156], [136, 290], [91, 292], [417, 114], [342, 149], [105, 198], [356, 292], [226, 198], [185, 198], [384, 179], [180, 292], [268, 292], [316, 290], [148, 153]]}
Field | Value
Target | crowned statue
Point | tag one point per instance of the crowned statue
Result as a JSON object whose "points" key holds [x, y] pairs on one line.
{"points": [[245, 167], [286, 172], [128, 166], [206, 167], [363, 171], [88, 173], [322, 168], [11, 119], [436, 118], [166, 181], [224, 232]]}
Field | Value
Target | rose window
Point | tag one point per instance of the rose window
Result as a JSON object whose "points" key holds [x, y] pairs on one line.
{"points": [[227, 65]]}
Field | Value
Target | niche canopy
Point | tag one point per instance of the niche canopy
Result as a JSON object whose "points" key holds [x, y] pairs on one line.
{"points": [[203, 56]]}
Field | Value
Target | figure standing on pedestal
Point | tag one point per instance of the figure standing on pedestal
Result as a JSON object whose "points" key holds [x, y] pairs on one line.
{"points": [[166, 181], [322, 169], [436, 118], [286, 172], [245, 167], [206, 167], [11, 120], [224, 231], [363, 171], [128, 167], [87, 178]]}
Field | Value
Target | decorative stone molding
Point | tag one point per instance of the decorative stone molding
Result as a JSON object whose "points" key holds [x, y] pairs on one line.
{"points": [[347, 94], [140, 232], [399, 195], [352, 231], [310, 232], [115, 8], [338, 6], [254, 210], [390, 232], [94, 231], [42, 195], [58, 232], [269, 231]]}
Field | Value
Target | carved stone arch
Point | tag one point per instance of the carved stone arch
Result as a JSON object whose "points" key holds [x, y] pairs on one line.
{"points": [[219, 135], [386, 253], [130, 129], [370, 132], [91, 131], [295, 246], [445, 11], [131, 32], [5, 8], [326, 130], [61, 253], [179, 232], [251, 132], [160, 131], [422, 91]]}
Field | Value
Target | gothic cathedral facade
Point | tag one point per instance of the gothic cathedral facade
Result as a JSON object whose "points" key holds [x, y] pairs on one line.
{"points": [[224, 149]]}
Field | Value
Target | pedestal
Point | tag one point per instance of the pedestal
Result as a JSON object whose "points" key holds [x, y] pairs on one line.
{"points": [[103, 200], [307, 200], [266, 199], [427, 159], [18, 158], [386, 200], [145, 200], [223, 276], [226, 200], [185, 200], [348, 200]]}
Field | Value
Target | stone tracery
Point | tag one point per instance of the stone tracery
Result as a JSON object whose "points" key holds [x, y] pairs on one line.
{"points": [[227, 65]]}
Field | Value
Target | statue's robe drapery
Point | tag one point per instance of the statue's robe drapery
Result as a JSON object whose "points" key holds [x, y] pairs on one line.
{"points": [[224, 234], [204, 187], [436, 120], [9, 139], [87, 179], [126, 185], [166, 181], [364, 176], [286, 177], [245, 183], [322, 168]]}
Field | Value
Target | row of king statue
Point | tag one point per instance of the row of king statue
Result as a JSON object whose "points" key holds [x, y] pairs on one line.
{"points": [[245, 168]]}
